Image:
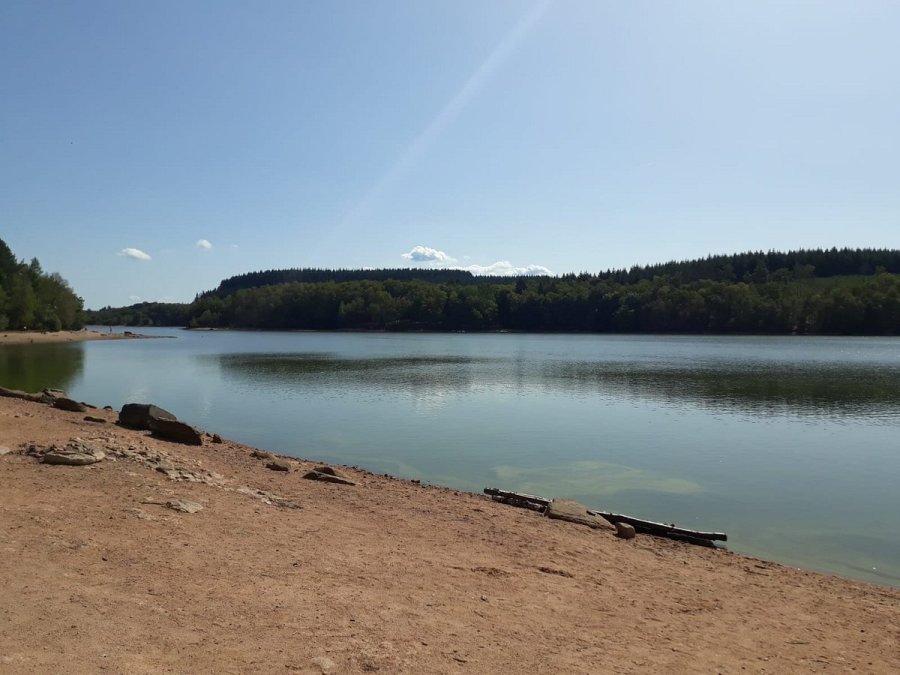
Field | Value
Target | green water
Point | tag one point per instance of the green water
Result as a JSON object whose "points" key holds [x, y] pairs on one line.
{"points": [[790, 445]]}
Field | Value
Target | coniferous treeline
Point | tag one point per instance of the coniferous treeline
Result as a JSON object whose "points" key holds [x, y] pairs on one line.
{"points": [[32, 299], [855, 292], [315, 275]]}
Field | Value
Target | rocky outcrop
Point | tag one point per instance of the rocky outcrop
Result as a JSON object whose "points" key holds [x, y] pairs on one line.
{"points": [[171, 466], [69, 404], [46, 396], [173, 430], [328, 475], [139, 415], [278, 465], [269, 498], [75, 453], [184, 505]]}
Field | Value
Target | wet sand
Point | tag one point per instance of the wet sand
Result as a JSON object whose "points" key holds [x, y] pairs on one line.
{"points": [[47, 337]]}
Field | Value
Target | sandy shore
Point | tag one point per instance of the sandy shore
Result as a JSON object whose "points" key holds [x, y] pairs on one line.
{"points": [[383, 576], [40, 337]]}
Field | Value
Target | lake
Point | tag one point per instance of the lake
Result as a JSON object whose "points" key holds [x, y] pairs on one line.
{"points": [[789, 444]]}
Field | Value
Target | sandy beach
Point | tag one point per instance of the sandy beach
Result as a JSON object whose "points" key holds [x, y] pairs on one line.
{"points": [[385, 575], [48, 337]]}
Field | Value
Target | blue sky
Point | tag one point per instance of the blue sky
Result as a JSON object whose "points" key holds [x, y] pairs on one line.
{"points": [[565, 135]]}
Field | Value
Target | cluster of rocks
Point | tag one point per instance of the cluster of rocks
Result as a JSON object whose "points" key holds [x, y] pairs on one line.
{"points": [[169, 466], [143, 416], [165, 425], [321, 473]]}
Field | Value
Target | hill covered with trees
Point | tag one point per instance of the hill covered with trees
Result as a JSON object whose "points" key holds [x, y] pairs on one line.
{"points": [[31, 298], [847, 291]]}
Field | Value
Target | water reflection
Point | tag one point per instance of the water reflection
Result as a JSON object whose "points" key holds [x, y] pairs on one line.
{"points": [[36, 367], [809, 390], [815, 390], [431, 376]]}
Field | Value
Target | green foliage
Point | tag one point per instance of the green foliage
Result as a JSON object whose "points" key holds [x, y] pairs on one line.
{"points": [[662, 304], [30, 298], [141, 314]]}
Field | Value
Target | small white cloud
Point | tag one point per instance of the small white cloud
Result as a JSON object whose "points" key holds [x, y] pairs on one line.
{"points": [[235, 246], [203, 243], [134, 298], [424, 254], [135, 253]]}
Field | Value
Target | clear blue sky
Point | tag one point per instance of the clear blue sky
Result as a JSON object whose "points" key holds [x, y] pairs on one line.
{"points": [[570, 134]]}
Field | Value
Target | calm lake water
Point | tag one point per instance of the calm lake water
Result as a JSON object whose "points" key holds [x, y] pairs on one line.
{"points": [[789, 444]]}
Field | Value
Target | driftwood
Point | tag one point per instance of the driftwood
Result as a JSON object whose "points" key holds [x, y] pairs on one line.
{"points": [[661, 529], [505, 494], [536, 503]]}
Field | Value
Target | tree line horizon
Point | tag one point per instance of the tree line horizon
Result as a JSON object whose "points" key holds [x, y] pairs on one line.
{"points": [[816, 291], [33, 299]]}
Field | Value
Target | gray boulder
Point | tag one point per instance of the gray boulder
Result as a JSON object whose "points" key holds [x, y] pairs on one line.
{"points": [[624, 531], [173, 430], [278, 465], [575, 512], [139, 415]]}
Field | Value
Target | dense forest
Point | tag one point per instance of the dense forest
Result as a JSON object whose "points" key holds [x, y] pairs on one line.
{"points": [[31, 298], [141, 314], [848, 291]]}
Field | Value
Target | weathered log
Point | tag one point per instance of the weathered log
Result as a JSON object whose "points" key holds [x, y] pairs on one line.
{"points": [[662, 529], [536, 503], [506, 494], [520, 503]]}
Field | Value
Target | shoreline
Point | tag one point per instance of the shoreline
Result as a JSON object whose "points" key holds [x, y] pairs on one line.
{"points": [[385, 574], [63, 336]]}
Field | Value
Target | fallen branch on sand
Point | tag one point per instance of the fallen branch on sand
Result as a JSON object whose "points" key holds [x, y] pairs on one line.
{"points": [[536, 503]]}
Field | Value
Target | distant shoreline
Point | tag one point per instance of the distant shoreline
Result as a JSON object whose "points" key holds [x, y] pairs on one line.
{"points": [[23, 337]]}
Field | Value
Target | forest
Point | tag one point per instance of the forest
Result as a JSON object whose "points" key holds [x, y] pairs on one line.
{"points": [[830, 291], [33, 299]]}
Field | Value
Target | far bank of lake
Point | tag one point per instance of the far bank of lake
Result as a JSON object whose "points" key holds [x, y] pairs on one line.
{"points": [[790, 444]]}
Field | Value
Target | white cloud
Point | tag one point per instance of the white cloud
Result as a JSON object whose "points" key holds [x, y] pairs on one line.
{"points": [[203, 243], [424, 254], [134, 298], [235, 246], [502, 268], [135, 253]]}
